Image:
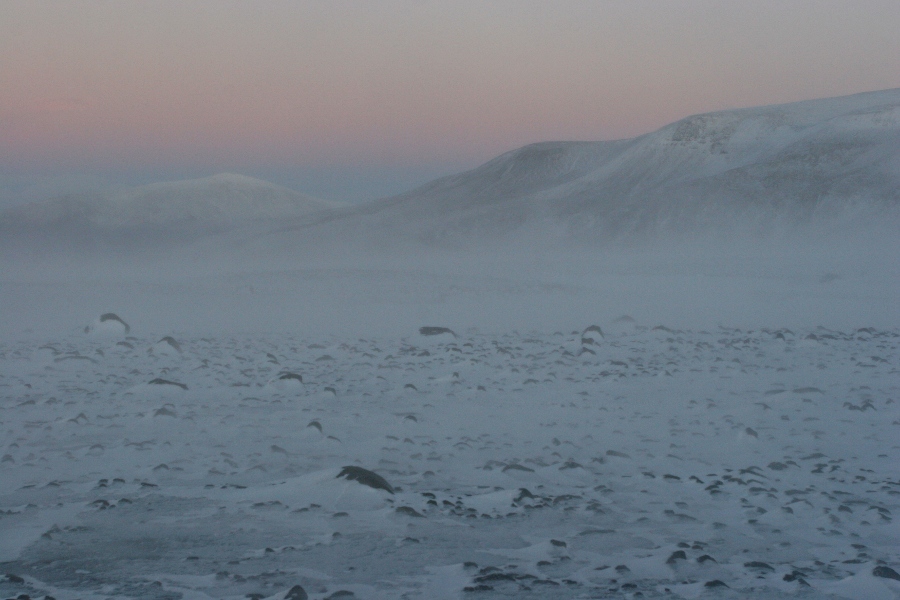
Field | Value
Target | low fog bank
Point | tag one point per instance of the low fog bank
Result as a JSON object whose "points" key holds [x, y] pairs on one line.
{"points": [[698, 284]]}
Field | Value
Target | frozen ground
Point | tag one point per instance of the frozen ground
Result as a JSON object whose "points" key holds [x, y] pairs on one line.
{"points": [[649, 462]]}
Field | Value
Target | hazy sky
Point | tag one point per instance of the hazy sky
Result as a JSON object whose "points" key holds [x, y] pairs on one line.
{"points": [[354, 100]]}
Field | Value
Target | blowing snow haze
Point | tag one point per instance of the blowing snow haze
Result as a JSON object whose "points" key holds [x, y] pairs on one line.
{"points": [[657, 367], [149, 216], [784, 194], [825, 165]]}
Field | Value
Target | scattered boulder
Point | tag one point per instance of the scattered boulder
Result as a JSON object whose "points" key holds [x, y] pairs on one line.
{"points": [[365, 477], [886, 572], [593, 335], [166, 346], [161, 381], [430, 331], [288, 376], [108, 325], [296, 593]]}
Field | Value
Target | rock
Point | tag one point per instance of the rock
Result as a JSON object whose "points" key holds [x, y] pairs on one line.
{"points": [[409, 512], [676, 556], [592, 335], [428, 331], [365, 477], [288, 376], [167, 345], [714, 584], [515, 467], [160, 381], [109, 324], [886, 572], [296, 593]]}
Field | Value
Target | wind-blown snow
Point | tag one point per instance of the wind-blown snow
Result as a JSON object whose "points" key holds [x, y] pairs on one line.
{"points": [[218, 390], [671, 463]]}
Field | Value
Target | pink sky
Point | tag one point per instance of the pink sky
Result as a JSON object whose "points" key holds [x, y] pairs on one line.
{"points": [[192, 88]]}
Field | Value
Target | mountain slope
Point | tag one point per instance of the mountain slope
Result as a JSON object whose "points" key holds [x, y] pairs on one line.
{"points": [[832, 163], [168, 211]]}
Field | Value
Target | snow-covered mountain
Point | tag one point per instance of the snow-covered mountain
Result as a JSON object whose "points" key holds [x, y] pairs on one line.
{"points": [[180, 210], [832, 163], [817, 167]]}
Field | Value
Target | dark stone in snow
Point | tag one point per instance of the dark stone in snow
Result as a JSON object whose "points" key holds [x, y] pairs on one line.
{"points": [[515, 467], [365, 477], [170, 341], [296, 593], [286, 375], [495, 577], [714, 584], [885, 572], [160, 381], [409, 512], [114, 317], [755, 564], [589, 330], [675, 556], [435, 331], [14, 578], [523, 493]]}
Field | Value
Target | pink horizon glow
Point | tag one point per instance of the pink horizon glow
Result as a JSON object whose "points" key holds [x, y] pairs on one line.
{"points": [[395, 82]]}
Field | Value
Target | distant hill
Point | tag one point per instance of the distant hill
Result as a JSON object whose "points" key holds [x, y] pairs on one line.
{"points": [[832, 164], [819, 167], [138, 217]]}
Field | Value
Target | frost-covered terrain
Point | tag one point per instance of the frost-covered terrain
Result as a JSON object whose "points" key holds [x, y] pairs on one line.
{"points": [[543, 464], [220, 389]]}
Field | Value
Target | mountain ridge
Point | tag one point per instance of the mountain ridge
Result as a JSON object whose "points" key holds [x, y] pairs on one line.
{"points": [[826, 167]]}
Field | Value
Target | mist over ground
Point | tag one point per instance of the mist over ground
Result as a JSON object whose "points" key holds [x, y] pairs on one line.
{"points": [[844, 284], [508, 383], [777, 215]]}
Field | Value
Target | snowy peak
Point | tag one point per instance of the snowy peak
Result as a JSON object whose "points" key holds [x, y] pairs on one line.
{"points": [[758, 170]]}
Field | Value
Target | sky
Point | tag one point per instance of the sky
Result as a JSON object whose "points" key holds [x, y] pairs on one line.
{"points": [[354, 100]]}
